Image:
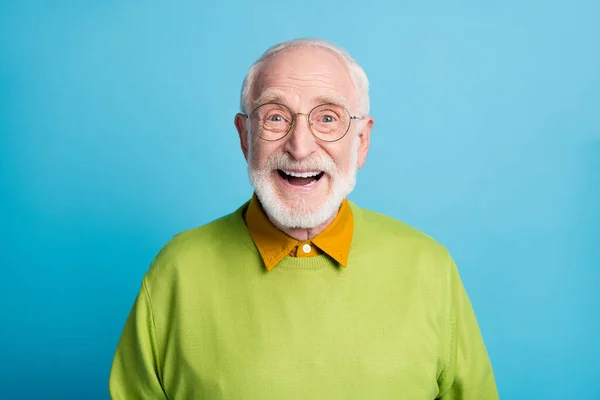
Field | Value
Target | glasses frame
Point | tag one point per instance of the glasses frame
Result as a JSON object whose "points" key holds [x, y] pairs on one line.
{"points": [[294, 119]]}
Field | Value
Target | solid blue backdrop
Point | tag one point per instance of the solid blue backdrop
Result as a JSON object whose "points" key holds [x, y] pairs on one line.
{"points": [[116, 123]]}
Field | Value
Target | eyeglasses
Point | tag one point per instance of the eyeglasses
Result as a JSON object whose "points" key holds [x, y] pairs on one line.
{"points": [[327, 122]]}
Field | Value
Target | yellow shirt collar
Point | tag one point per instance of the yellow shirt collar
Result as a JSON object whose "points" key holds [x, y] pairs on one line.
{"points": [[273, 245]]}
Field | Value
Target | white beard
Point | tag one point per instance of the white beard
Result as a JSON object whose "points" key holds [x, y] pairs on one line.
{"points": [[300, 214]]}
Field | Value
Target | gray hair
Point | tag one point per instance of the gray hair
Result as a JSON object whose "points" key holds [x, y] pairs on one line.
{"points": [[357, 74]]}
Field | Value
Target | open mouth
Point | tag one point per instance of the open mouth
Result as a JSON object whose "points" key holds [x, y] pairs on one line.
{"points": [[304, 178]]}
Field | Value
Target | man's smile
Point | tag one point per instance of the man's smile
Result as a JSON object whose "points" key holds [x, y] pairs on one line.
{"points": [[300, 178]]}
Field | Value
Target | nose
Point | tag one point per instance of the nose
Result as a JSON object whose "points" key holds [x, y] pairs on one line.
{"points": [[300, 142]]}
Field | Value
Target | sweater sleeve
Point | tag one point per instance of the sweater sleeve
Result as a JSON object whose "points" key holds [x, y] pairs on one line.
{"points": [[468, 374], [135, 369]]}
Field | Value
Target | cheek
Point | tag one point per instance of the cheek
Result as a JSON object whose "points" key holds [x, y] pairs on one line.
{"points": [[344, 166], [340, 156], [260, 153]]}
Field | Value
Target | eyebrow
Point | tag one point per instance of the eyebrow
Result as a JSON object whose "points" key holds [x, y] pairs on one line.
{"points": [[332, 99], [269, 96], [277, 96]]}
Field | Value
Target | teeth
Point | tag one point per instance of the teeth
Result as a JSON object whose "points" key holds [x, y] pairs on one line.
{"points": [[307, 174]]}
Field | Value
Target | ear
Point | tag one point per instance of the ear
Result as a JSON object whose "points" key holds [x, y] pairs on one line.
{"points": [[364, 140], [240, 124]]}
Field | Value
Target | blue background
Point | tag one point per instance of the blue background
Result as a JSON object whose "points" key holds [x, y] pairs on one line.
{"points": [[116, 123]]}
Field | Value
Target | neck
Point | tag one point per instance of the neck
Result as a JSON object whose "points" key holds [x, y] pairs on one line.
{"points": [[303, 233]]}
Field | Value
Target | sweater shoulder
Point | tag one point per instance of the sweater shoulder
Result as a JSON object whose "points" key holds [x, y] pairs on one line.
{"points": [[200, 238], [192, 248], [377, 228]]}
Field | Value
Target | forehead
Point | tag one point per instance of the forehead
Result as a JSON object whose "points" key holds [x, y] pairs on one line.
{"points": [[303, 76]]}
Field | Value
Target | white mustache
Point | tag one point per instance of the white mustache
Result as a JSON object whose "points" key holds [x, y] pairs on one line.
{"points": [[312, 163]]}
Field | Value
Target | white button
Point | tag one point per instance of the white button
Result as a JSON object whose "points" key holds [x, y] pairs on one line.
{"points": [[306, 248]]}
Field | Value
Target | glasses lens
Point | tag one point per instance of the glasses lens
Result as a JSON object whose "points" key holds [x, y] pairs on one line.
{"points": [[271, 121], [329, 121]]}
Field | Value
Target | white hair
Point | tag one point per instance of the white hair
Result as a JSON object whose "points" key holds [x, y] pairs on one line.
{"points": [[357, 74]]}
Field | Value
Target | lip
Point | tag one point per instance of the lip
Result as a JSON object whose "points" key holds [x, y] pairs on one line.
{"points": [[300, 189]]}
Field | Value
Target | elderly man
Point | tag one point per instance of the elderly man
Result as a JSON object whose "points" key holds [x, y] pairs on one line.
{"points": [[301, 294]]}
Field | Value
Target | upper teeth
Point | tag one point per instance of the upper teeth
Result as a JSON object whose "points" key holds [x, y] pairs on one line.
{"points": [[302, 174]]}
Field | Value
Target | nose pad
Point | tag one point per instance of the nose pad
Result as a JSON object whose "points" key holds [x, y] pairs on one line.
{"points": [[309, 123]]}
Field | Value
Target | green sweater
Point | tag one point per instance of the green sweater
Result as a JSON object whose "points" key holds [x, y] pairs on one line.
{"points": [[211, 323]]}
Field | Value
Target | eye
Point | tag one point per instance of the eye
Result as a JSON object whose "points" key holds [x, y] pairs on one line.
{"points": [[275, 118], [327, 118]]}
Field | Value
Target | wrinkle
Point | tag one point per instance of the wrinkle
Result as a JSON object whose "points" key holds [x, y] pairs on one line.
{"points": [[326, 80]]}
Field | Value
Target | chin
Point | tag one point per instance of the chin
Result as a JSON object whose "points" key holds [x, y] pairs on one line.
{"points": [[297, 214]]}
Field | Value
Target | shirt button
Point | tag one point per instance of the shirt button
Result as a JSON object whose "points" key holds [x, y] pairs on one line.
{"points": [[306, 248]]}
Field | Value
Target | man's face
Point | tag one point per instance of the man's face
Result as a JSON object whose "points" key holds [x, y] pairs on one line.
{"points": [[299, 180]]}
